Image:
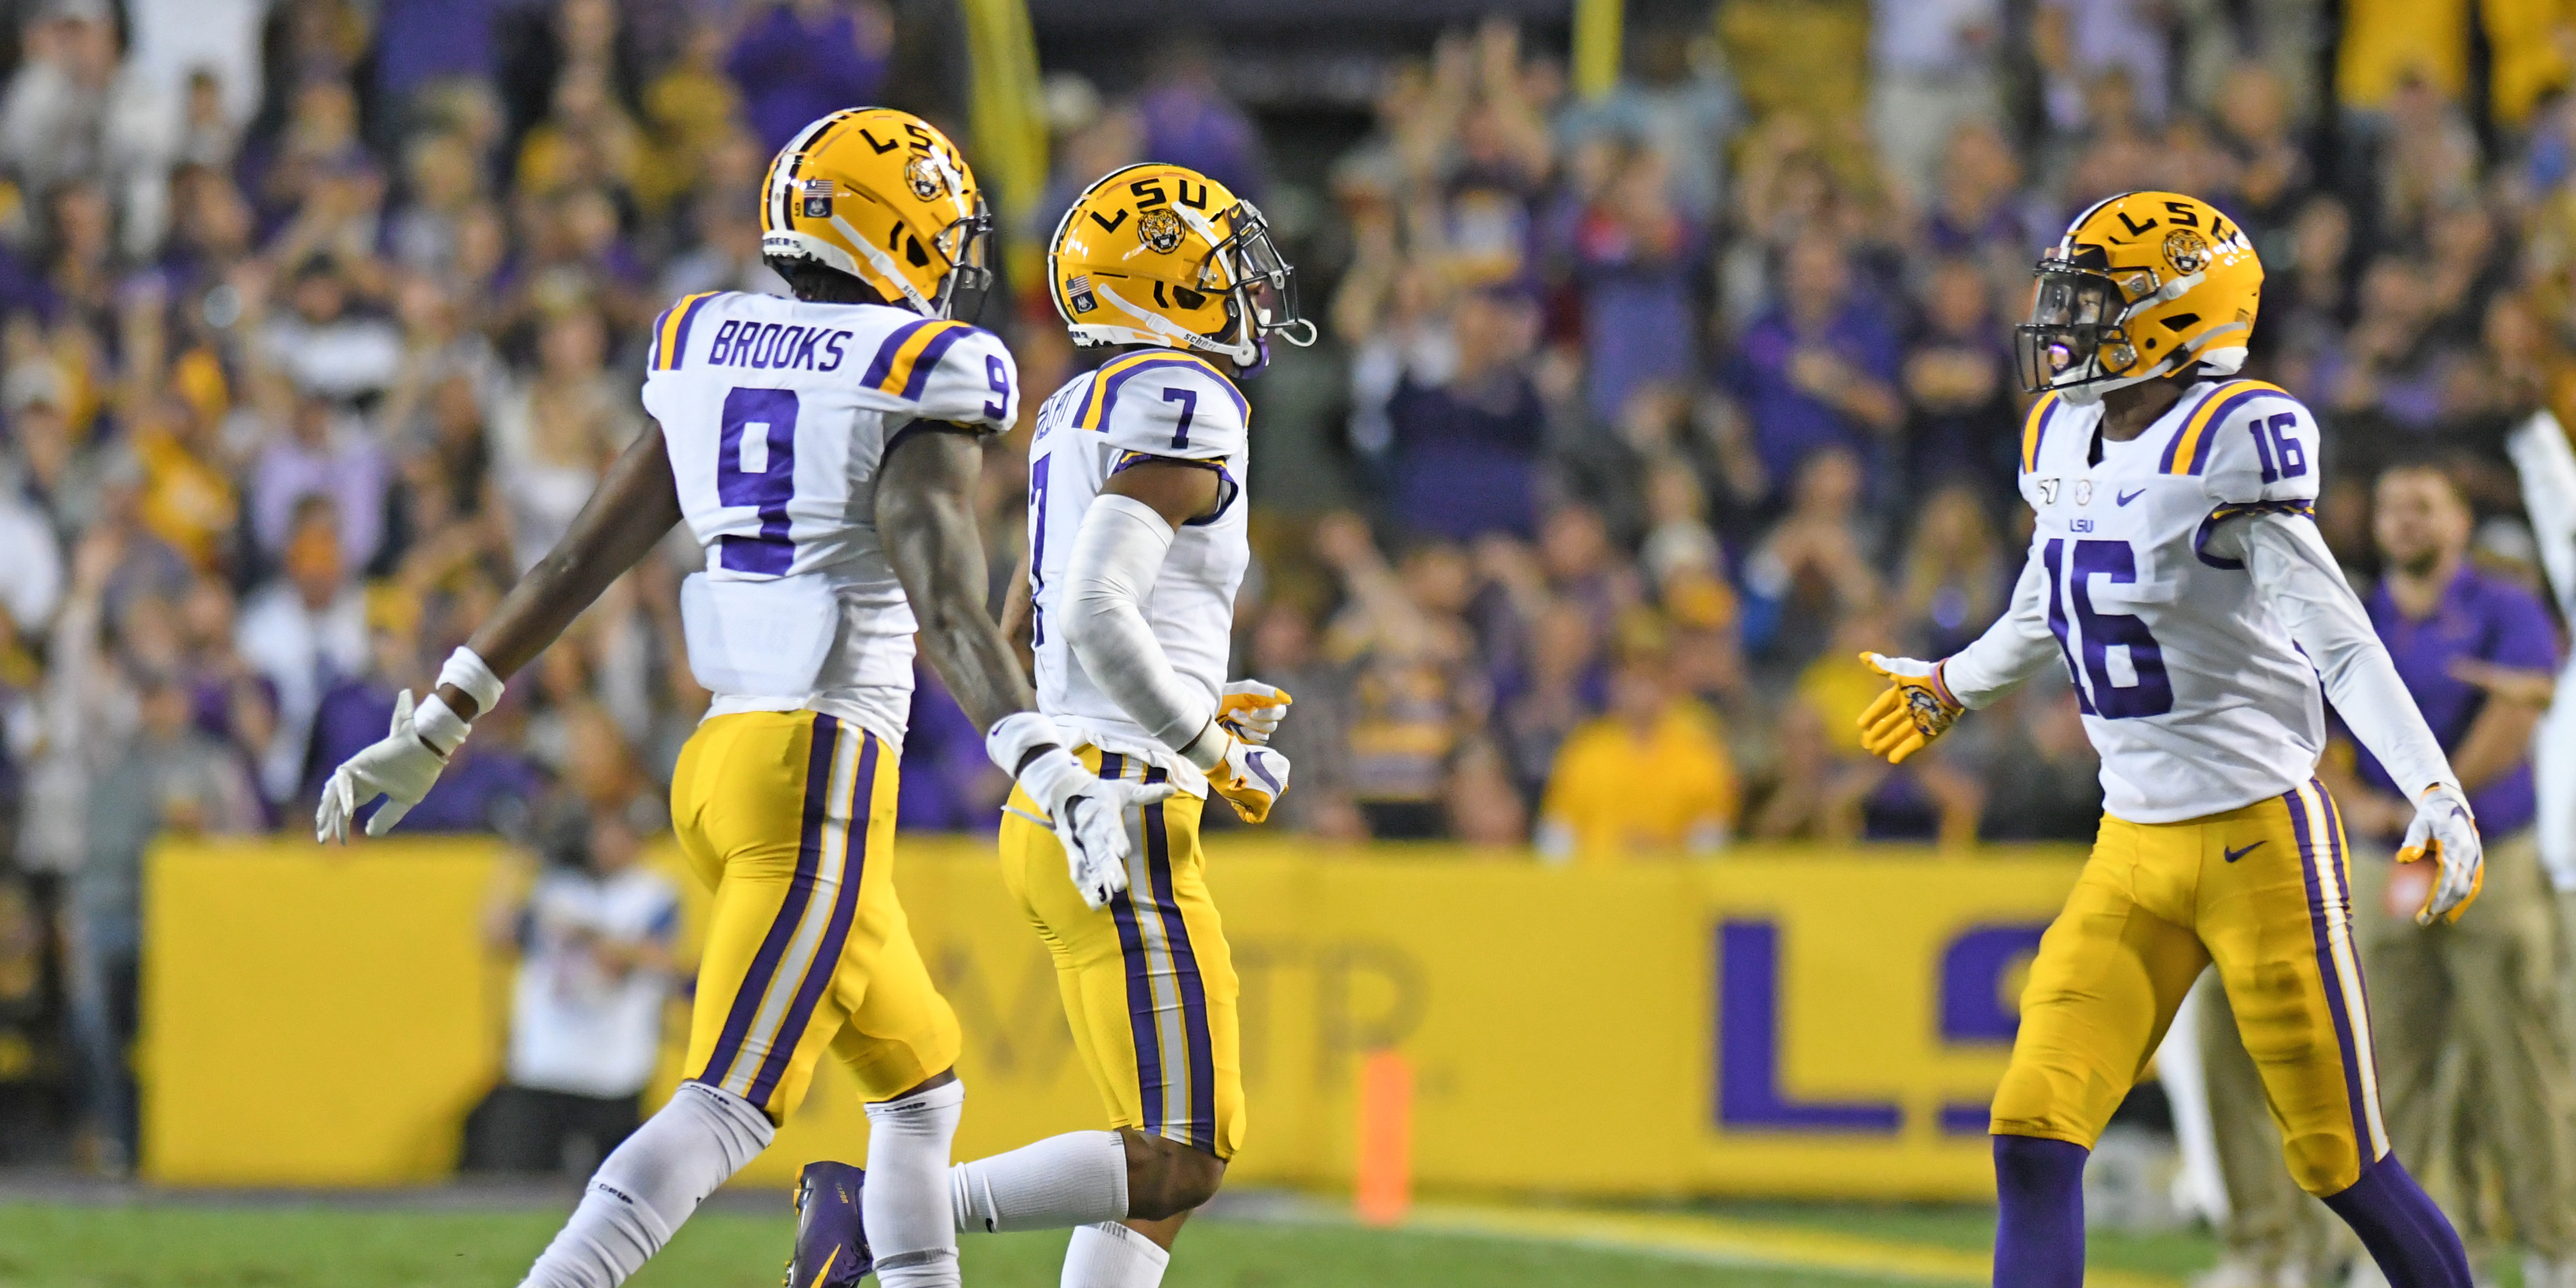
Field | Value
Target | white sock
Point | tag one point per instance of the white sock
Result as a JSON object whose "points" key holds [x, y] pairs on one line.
{"points": [[1073, 1179], [649, 1185], [905, 1205], [1109, 1255]]}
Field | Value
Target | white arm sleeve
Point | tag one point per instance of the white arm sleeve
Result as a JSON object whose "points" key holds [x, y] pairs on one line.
{"points": [[2018, 646], [2298, 577], [1117, 553], [2547, 468]]}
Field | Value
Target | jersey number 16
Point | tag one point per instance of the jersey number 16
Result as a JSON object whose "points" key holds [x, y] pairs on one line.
{"points": [[2099, 690]]}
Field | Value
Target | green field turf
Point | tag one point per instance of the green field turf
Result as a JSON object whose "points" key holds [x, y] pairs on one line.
{"points": [[196, 1244]]}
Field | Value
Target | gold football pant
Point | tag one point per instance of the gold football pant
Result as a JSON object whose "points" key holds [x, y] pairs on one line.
{"points": [[1148, 982], [2270, 1223], [2261, 892], [789, 817], [2487, 989]]}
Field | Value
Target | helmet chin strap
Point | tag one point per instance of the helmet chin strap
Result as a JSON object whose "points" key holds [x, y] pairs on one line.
{"points": [[1163, 330], [884, 264]]}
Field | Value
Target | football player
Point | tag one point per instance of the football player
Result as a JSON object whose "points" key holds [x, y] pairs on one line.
{"points": [[2177, 571], [1137, 542], [824, 451]]}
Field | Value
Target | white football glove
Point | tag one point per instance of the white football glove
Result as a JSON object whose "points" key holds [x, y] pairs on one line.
{"points": [[399, 768], [2445, 831], [1089, 815], [1251, 710]]}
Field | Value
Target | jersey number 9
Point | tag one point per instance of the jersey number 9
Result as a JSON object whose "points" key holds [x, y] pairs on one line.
{"points": [[756, 466]]}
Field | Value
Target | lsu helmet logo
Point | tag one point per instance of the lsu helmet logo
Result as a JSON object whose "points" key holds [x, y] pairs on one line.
{"points": [[1160, 229], [2187, 251], [922, 175]]}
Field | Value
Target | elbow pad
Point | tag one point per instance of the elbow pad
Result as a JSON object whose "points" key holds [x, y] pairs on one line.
{"points": [[1117, 554]]}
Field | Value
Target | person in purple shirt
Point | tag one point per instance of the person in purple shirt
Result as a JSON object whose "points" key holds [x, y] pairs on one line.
{"points": [[806, 59], [1189, 121], [1819, 368], [2478, 653], [1467, 450]]}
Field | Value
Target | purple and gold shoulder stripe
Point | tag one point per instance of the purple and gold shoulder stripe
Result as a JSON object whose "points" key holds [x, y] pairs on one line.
{"points": [[909, 354], [671, 331], [2188, 453]]}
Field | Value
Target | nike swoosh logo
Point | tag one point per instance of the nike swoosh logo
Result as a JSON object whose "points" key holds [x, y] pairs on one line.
{"points": [[2234, 855], [1253, 763], [824, 1275], [2125, 498]]}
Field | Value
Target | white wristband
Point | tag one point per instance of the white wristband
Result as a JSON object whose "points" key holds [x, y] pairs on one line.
{"points": [[1014, 736], [1207, 751], [473, 677], [434, 724]]}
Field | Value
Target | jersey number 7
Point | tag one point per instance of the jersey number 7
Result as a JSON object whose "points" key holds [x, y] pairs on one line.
{"points": [[2098, 690]]}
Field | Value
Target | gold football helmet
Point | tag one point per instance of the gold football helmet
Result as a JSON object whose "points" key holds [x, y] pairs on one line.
{"points": [[2141, 285], [884, 197], [1163, 255]]}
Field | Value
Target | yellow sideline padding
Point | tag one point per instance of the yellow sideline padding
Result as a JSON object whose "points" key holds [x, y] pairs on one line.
{"points": [[1770, 1023]]}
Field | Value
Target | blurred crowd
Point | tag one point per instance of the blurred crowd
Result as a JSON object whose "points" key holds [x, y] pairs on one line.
{"points": [[1639, 413]]}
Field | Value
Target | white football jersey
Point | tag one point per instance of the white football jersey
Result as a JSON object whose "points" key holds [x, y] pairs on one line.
{"points": [[1151, 403], [777, 413], [2191, 687]]}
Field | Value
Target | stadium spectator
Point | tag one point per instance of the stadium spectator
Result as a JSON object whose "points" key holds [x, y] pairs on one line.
{"points": [[300, 631], [1652, 776], [1818, 369], [1632, 255], [1466, 448], [77, 113], [596, 933], [1188, 119], [554, 431], [1679, 103], [798, 60], [2043, 780], [1932, 70], [1817, 566], [164, 777]]}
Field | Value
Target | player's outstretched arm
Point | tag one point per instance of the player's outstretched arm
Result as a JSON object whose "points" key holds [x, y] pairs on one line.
{"points": [[1117, 554], [1923, 699], [926, 516], [2298, 577], [634, 505]]}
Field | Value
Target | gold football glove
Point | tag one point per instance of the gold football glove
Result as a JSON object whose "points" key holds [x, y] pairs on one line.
{"points": [[1916, 708]]}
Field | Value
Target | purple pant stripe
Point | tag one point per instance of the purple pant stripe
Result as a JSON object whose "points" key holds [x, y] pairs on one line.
{"points": [[827, 955], [2367, 1056], [2313, 853], [1140, 988], [1201, 1053], [809, 855]]}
